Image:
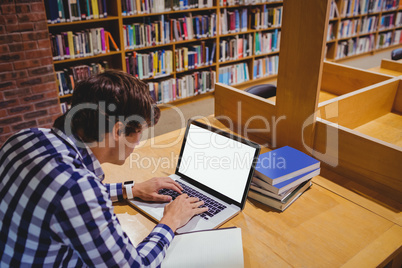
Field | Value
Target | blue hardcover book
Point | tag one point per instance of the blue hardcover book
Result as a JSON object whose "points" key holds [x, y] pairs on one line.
{"points": [[275, 40], [206, 55], [104, 9], [237, 21], [244, 20], [286, 185], [284, 164], [197, 25], [131, 40]]}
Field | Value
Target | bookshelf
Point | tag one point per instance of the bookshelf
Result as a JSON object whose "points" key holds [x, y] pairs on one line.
{"points": [[241, 50], [361, 27]]}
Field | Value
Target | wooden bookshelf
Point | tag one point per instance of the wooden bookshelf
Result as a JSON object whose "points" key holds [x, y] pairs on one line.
{"points": [[115, 21], [359, 14]]}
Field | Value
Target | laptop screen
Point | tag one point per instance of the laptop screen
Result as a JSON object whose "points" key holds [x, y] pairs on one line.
{"points": [[218, 161]]}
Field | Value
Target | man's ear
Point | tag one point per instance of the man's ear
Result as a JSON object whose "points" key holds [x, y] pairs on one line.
{"points": [[118, 130]]}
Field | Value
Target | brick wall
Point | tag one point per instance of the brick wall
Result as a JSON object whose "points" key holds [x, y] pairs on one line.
{"points": [[28, 90]]}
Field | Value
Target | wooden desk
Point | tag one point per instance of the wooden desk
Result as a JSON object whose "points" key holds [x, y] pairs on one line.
{"points": [[328, 226]]}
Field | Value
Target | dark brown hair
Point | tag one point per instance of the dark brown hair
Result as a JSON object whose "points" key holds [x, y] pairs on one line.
{"points": [[118, 96]]}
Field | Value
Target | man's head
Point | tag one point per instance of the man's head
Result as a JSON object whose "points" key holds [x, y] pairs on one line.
{"points": [[110, 103]]}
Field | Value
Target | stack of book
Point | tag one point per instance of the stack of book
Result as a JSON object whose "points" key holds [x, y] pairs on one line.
{"points": [[281, 176]]}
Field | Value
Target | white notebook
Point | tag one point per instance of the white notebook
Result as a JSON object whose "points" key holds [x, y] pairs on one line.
{"points": [[218, 248]]}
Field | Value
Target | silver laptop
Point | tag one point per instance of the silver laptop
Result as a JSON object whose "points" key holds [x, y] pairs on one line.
{"points": [[215, 166]]}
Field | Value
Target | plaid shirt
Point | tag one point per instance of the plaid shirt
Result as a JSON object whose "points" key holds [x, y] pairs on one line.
{"points": [[55, 210]]}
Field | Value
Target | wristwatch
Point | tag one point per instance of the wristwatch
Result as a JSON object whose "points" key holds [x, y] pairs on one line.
{"points": [[129, 186]]}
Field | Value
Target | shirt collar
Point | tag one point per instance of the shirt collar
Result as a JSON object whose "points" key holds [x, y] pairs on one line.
{"points": [[86, 154]]}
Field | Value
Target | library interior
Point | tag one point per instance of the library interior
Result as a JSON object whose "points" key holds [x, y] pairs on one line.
{"points": [[316, 83]]}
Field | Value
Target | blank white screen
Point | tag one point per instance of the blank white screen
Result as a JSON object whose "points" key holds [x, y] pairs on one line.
{"points": [[218, 162]]}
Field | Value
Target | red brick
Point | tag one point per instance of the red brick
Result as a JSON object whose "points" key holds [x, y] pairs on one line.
{"points": [[26, 27], [45, 43], [46, 61], [7, 76], [18, 65], [11, 57], [29, 82], [2, 29], [7, 9], [40, 25], [30, 45], [41, 70], [39, 35], [39, 53], [6, 67], [20, 109], [4, 49], [9, 103], [3, 113], [46, 103], [12, 28], [19, 92], [38, 7], [23, 8], [35, 114], [31, 17], [14, 47], [10, 19], [9, 38], [45, 87], [47, 121], [32, 98], [51, 95], [54, 110], [10, 120], [48, 78], [7, 85], [28, 124]]}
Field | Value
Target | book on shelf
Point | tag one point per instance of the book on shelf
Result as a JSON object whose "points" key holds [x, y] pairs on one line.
{"points": [[234, 74], [60, 11], [186, 86], [266, 66], [283, 164], [280, 204], [233, 21], [88, 42]]}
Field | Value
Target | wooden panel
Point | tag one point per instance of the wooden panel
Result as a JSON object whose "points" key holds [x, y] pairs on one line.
{"points": [[244, 113], [397, 107], [391, 65], [369, 161], [361, 106], [339, 79], [304, 31]]}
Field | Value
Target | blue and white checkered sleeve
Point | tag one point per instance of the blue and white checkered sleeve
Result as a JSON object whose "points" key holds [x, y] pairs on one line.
{"points": [[116, 191], [85, 222]]}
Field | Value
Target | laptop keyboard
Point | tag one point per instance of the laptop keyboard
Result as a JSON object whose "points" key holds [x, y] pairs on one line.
{"points": [[214, 207]]}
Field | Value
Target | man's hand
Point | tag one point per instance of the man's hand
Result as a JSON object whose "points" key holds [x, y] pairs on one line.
{"points": [[181, 210], [148, 190]]}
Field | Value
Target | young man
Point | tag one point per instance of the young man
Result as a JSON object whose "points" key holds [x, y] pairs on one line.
{"points": [[54, 208]]}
